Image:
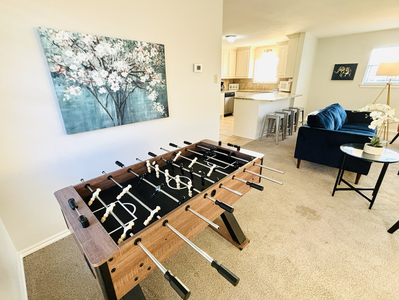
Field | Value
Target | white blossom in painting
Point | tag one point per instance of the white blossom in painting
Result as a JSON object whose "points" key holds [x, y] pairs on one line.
{"points": [[108, 72]]}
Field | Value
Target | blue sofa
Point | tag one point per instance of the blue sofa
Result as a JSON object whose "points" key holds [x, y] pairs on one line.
{"points": [[326, 130]]}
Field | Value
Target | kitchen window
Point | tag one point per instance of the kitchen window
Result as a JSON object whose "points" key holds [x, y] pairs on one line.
{"points": [[266, 67], [380, 55]]}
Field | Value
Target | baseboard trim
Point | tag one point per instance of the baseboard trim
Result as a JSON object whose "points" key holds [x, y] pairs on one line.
{"points": [[30, 250], [44, 243]]}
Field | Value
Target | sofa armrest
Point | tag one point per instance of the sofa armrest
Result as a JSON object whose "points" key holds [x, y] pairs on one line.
{"points": [[355, 116], [321, 146]]}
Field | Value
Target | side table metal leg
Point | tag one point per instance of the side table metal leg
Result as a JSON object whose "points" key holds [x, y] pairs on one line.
{"points": [[378, 184], [394, 227], [340, 174]]}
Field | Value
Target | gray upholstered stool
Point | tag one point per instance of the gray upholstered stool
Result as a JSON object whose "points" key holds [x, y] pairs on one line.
{"points": [[286, 115], [291, 119], [273, 124], [300, 110]]}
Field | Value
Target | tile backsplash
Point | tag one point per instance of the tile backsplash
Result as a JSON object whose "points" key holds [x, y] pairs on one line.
{"points": [[248, 84]]}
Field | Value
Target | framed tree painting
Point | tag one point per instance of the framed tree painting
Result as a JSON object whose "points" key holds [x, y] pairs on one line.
{"points": [[344, 72], [102, 82]]}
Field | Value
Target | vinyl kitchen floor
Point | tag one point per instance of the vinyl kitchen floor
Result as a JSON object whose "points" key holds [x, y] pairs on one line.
{"points": [[226, 132]]}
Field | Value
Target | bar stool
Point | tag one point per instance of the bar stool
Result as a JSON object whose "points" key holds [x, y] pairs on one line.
{"points": [[295, 117], [291, 119], [273, 124], [300, 110], [285, 122]]}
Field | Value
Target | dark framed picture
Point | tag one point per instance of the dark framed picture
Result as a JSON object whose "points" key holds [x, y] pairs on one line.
{"points": [[344, 72]]}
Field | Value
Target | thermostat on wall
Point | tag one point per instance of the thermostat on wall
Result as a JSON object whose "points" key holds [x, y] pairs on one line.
{"points": [[197, 67]]}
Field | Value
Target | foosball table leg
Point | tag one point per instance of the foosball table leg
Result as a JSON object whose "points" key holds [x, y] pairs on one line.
{"points": [[104, 279], [231, 230], [135, 294]]}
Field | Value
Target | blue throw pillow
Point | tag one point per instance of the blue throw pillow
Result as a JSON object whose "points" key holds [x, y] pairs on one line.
{"points": [[325, 119], [339, 115]]}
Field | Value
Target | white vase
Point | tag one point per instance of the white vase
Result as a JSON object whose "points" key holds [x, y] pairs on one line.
{"points": [[373, 150]]}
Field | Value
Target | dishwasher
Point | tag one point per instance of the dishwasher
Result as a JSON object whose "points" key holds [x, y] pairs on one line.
{"points": [[229, 103]]}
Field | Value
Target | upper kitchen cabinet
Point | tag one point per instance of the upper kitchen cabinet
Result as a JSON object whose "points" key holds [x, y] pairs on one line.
{"points": [[229, 61], [287, 56], [282, 58], [245, 62]]}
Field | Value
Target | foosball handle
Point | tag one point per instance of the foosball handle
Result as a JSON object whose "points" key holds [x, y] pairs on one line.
{"points": [[235, 146], [152, 154], [226, 273], [177, 285], [187, 143], [84, 221], [119, 164], [173, 145], [225, 206], [72, 204], [255, 185]]}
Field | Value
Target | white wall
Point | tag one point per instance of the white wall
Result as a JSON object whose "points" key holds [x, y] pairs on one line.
{"points": [[302, 79], [37, 156], [354, 48], [10, 287]]}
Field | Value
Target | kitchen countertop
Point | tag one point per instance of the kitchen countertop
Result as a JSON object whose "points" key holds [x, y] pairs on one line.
{"points": [[252, 91], [269, 96]]}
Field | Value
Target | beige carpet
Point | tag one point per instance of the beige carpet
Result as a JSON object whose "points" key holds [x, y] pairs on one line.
{"points": [[305, 244]]}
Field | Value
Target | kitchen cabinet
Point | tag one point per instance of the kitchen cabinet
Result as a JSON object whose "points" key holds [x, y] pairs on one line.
{"points": [[282, 58], [229, 61], [232, 63], [225, 63], [291, 54], [287, 56], [245, 62]]}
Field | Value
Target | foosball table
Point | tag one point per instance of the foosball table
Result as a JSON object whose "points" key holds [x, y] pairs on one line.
{"points": [[128, 222]]}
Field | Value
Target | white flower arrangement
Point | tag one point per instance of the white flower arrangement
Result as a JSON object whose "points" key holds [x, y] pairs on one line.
{"points": [[382, 114]]}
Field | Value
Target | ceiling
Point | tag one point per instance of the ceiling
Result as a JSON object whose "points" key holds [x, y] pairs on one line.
{"points": [[265, 22]]}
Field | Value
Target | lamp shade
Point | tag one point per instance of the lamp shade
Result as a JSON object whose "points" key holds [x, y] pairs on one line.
{"points": [[388, 69]]}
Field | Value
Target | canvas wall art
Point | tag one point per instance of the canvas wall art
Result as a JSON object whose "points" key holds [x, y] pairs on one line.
{"points": [[102, 81], [344, 72]]}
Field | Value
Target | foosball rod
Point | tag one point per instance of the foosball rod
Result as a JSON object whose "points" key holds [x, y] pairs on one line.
{"points": [[221, 204], [188, 206], [174, 282], [149, 182], [261, 176], [226, 273], [264, 177], [126, 190], [203, 155], [207, 179], [126, 228], [103, 203], [237, 158], [251, 184]]}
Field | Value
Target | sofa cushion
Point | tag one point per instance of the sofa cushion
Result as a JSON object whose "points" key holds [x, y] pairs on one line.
{"points": [[331, 117], [358, 128]]}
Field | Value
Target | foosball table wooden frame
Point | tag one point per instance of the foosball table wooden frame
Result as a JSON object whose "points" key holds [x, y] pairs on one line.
{"points": [[119, 268]]}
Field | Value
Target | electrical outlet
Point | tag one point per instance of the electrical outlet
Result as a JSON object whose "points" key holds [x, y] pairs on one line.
{"points": [[215, 79]]}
